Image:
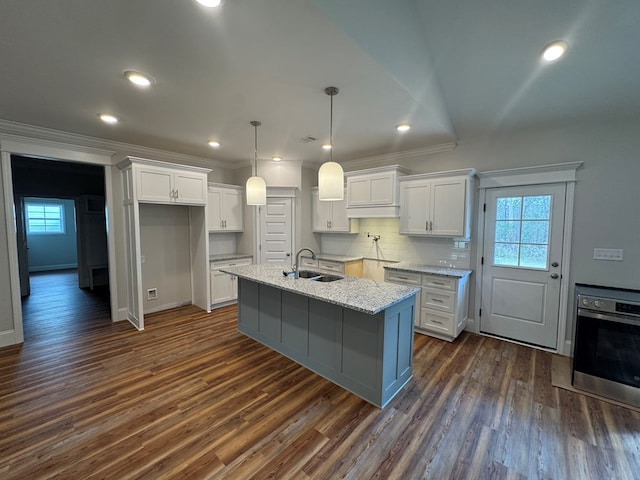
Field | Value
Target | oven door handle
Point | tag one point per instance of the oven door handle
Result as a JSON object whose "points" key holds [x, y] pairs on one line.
{"points": [[609, 318]]}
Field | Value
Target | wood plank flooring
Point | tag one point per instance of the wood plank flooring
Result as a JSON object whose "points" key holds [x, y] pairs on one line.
{"points": [[190, 397]]}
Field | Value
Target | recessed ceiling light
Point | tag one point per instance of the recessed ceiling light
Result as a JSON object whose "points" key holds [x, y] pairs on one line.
{"points": [[326, 146], [403, 127], [214, 144], [276, 159], [211, 3], [138, 79], [106, 118], [554, 51]]}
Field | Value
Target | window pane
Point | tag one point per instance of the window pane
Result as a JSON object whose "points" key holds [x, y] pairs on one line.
{"points": [[535, 232], [507, 232], [52, 210], [533, 256], [54, 226], [36, 228], [508, 208], [45, 218], [35, 210], [537, 208], [505, 254]]}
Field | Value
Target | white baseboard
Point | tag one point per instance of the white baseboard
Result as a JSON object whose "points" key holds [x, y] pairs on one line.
{"points": [[122, 314], [568, 349], [47, 268], [8, 338]]}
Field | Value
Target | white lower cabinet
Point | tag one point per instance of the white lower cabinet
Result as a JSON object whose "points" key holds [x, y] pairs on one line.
{"points": [[224, 287], [442, 309]]}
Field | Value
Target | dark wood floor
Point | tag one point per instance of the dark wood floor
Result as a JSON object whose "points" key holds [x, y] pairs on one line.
{"points": [[191, 398]]}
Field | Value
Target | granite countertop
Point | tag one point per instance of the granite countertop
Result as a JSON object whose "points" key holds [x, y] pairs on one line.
{"points": [[332, 257], [359, 294], [228, 256], [433, 270]]}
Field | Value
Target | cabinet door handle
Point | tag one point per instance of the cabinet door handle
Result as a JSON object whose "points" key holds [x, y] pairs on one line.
{"points": [[426, 225], [430, 226]]}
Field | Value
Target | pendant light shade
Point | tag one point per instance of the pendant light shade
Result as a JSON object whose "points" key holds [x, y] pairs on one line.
{"points": [[256, 187], [331, 175]]}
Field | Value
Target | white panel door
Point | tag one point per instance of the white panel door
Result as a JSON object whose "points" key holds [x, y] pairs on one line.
{"points": [[276, 231], [523, 235]]}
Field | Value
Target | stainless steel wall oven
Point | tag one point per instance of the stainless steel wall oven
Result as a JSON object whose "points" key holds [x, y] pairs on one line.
{"points": [[606, 357]]}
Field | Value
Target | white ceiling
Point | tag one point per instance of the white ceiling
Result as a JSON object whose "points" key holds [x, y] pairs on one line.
{"points": [[454, 69]]}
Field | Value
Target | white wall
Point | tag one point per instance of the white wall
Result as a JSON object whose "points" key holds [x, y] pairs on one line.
{"points": [[607, 195], [164, 243]]}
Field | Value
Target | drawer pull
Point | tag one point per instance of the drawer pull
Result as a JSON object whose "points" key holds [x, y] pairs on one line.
{"points": [[438, 283], [436, 300], [403, 278], [436, 321]]}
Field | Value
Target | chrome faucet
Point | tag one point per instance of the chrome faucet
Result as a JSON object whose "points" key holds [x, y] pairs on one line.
{"points": [[313, 256]]}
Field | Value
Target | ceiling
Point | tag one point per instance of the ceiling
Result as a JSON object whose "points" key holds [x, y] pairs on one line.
{"points": [[453, 69]]}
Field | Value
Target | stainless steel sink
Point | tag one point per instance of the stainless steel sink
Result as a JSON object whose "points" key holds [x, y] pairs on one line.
{"points": [[319, 276]]}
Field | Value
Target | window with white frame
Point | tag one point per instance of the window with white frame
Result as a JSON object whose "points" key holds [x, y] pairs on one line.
{"points": [[45, 218]]}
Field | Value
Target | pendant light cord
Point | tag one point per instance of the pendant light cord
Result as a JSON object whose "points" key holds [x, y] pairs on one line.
{"points": [[331, 130], [255, 124], [331, 91]]}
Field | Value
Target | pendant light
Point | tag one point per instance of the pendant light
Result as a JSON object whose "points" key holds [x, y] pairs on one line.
{"points": [[331, 175], [256, 187]]}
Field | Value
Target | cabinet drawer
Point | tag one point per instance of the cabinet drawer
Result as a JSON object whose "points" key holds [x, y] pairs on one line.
{"points": [[228, 263], [436, 321], [308, 262], [438, 299], [405, 278], [436, 281], [332, 266]]}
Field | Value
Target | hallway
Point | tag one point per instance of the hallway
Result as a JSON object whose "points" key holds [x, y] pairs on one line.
{"points": [[57, 308]]}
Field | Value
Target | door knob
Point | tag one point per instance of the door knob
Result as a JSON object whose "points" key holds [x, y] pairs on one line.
{"points": [[554, 275], [288, 254], [554, 264]]}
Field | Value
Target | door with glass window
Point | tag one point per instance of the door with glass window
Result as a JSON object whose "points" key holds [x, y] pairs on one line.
{"points": [[522, 260]]}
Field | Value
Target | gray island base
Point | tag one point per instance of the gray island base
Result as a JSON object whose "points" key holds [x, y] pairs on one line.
{"points": [[368, 354]]}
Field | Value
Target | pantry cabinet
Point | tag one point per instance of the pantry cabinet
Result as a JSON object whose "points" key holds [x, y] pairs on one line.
{"points": [[225, 208], [331, 216], [437, 204]]}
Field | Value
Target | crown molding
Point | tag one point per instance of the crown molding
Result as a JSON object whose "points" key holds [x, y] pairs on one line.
{"points": [[118, 149], [392, 158]]}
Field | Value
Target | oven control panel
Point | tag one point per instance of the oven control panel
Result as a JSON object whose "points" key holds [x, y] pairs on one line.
{"points": [[608, 305], [596, 303]]}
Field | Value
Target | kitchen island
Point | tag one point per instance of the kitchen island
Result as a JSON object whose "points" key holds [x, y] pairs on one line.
{"points": [[355, 332]]}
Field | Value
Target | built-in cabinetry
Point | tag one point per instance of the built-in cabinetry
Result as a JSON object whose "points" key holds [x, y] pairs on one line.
{"points": [[443, 301], [160, 184], [346, 266], [437, 204], [374, 193], [224, 287], [149, 181], [226, 203], [331, 216]]}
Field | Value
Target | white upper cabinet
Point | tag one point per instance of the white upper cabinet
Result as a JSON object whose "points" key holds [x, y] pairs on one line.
{"points": [[374, 193], [331, 216], [226, 203], [159, 182], [437, 204]]}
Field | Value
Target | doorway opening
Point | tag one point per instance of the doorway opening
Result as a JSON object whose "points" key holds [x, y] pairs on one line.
{"points": [[61, 234]]}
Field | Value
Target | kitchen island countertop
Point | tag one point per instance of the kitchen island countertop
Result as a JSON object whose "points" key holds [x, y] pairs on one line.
{"points": [[360, 294]]}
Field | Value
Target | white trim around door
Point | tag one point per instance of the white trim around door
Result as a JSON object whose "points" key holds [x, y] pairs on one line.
{"points": [[536, 175], [11, 144]]}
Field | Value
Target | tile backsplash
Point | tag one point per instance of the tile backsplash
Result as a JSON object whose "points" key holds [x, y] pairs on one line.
{"points": [[393, 246]]}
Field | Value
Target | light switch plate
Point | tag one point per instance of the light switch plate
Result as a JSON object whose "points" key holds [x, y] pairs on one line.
{"points": [[611, 254]]}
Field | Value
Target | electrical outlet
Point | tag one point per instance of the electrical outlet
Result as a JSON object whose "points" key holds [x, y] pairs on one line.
{"points": [[152, 294], [610, 254]]}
